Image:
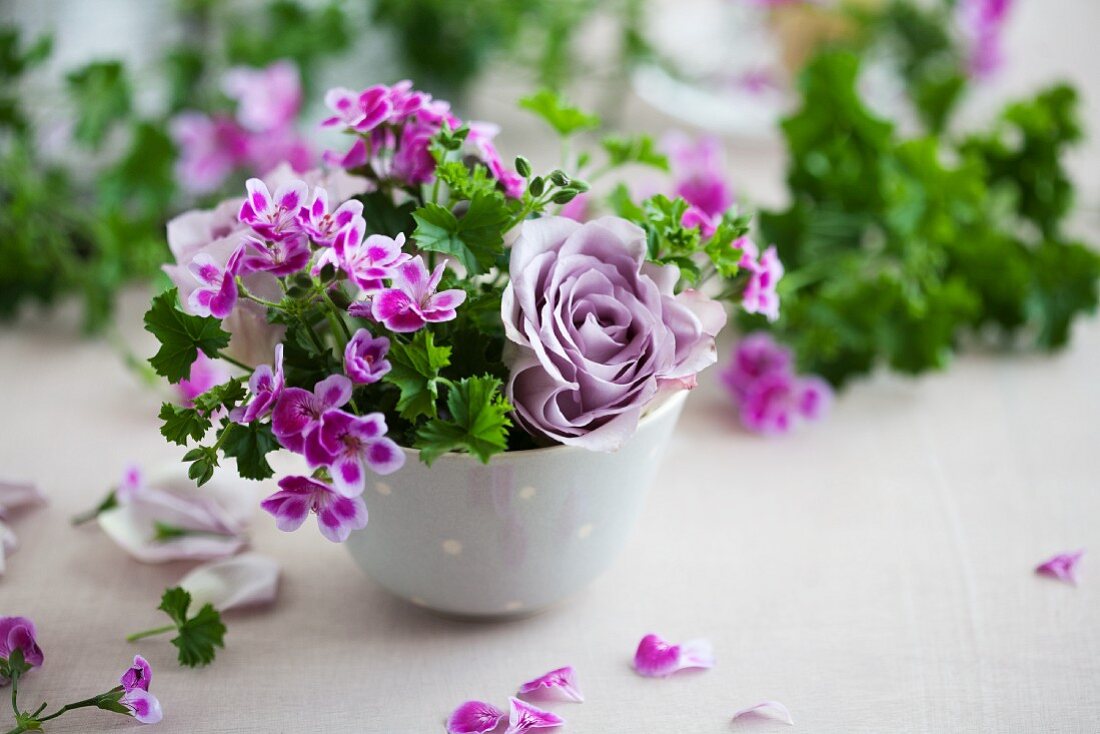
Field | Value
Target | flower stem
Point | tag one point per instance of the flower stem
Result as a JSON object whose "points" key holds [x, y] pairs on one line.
{"points": [[150, 632], [234, 362], [93, 701], [15, 692]]}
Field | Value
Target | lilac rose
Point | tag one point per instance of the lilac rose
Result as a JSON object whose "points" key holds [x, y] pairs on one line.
{"points": [[596, 332]]}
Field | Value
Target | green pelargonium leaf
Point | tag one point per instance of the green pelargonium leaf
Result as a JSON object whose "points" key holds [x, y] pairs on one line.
{"points": [[478, 421], [181, 336], [198, 635], [415, 369], [101, 93], [181, 424], [637, 149], [476, 239], [565, 118], [249, 445]]}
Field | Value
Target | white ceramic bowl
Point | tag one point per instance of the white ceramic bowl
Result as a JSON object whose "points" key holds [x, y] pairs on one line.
{"points": [[514, 536]]}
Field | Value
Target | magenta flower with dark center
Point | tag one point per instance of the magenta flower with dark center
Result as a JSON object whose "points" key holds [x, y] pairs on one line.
{"points": [[365, 357], [280, 257], [18, 633], [368, 262], [143, 705], [361, 112], [217, 292], [349, 445], [273, 217], [265, 386], [412, 300], [764, 271], [298, 496], [298, 412], [321, 224]]}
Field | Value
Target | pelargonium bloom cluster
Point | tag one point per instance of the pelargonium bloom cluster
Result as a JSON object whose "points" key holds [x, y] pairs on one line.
{"points": [[260, 135], [20, 653], [422, 296], [771, 398], [394, 127]]}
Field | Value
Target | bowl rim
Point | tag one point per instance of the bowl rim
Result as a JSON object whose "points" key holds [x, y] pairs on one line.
{"points": [[667, 404]]}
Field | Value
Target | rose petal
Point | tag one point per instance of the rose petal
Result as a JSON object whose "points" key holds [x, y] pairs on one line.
{"points": [[557, 685], [19, 494], [522, 717], [474, 717], [656, 658], [245, 580], [1062, 566], [779, 710]]}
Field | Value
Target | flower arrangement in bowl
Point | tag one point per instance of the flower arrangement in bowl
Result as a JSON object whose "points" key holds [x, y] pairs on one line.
{"points": [[422, 326]]}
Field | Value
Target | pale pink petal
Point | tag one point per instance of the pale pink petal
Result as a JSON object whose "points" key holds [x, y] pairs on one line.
{"points": [[1062, 566], [474, 717], [656, 658], [8, 544], [776, 709], [14, 495], [522, 717], [246, 580], [143, 706], [557, 685]]}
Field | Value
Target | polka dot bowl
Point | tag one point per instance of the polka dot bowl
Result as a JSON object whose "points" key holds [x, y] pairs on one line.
{"points": [[515, 536]]}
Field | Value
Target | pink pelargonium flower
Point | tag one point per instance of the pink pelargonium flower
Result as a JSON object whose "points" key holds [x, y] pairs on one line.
{"points": [[267, 99], [697, 217], [412, 300], [18, 633], [217, 292], [474, 717], [321, 224], [337, 515], [365, 358], [363, 111], [982, 23], [776, 402], [211, 148], [764, 272], [275, 217], [142, 704], [481, 140], [413, 162], [756, 355], [1062, 566], [280, 257], [366, 262], [406, 101], [698, 168], [523, 717], [297, 412], [656, 658], [265, 386], [205, 373], [354, 157], [557, 685], [349, 445]]}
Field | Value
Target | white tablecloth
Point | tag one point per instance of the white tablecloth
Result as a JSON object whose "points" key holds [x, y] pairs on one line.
{"points": [[873, 572]]}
